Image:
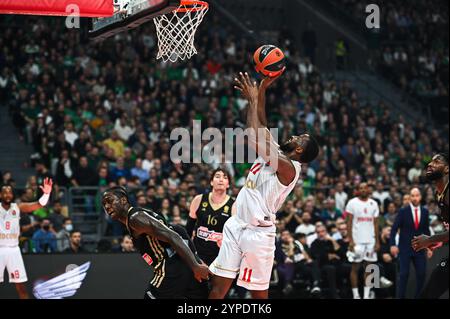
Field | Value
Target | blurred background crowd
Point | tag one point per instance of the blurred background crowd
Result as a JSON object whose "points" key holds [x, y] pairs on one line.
{"points": [[101, 115]]}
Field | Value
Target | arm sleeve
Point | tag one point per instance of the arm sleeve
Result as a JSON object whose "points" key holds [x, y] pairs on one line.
{"points": [[190, 225]]}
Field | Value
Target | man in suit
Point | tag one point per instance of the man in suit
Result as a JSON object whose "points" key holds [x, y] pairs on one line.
{"points": [[412, 220]]}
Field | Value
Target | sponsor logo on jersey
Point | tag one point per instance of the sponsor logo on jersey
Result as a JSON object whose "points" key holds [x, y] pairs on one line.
{"points": [[14, 213], [147, 259], [226, 209], [208, 235], [364, 219], [8, 236]]}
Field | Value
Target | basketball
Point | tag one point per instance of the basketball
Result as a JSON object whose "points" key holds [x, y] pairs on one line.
{"points": [[269, 60]]}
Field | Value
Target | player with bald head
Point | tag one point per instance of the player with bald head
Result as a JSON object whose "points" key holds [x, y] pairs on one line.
{"points": [[412, 220]]}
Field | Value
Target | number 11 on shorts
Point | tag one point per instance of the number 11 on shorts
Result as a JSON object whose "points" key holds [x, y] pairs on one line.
{"points": [[247, 275]]}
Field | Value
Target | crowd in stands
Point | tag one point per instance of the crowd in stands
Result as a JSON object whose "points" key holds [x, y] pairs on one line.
{"points": [[101, 115], [414, 44]]}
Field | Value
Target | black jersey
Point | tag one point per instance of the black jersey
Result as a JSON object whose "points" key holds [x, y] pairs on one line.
{"points": [[443, 204], [209, 227], [156, 253]]}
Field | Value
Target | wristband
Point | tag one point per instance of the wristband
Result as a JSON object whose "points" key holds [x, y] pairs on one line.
{"points": [[44, 199]]}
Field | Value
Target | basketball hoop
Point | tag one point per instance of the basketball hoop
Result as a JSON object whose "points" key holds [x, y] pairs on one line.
{"points": [[176, 30]]}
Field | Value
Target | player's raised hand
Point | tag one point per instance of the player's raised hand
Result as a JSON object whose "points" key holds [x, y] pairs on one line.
{"points": [[267, 81], [247, 86], [47, 186]]}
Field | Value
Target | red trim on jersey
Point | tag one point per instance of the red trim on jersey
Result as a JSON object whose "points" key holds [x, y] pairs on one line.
{"points": [[256, 168]]}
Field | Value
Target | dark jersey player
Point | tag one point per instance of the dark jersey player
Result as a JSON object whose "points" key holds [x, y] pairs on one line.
{"points": [[437, 172], [208, 214], [178, 272]]}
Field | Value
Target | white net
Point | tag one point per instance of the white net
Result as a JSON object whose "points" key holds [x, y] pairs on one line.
{"points": [[176, 31]]}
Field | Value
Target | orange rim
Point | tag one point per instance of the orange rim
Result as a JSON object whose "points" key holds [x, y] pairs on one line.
{"points": [[192, 5]]}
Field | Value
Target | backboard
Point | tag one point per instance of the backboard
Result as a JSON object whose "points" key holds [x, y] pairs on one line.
{"points": [[139, 12]]}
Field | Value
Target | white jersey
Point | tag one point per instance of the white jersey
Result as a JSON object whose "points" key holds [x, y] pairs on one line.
{"points": [[263, 194], [364, 214], [9, 226]]}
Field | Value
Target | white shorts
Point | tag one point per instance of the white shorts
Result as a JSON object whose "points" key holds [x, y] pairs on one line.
{"points": [[248, 251], [363, 252], [11, 258]]}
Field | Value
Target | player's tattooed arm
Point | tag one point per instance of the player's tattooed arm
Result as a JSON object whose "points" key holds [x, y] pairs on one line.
{"points": [[143, 224]]}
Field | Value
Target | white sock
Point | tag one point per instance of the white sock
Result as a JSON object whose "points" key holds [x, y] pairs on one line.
{"points": [[366, 292], [355, 293]]}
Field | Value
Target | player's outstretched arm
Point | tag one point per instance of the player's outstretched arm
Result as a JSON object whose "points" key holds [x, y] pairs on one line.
{"points": [[46, 189], [264, 85], [143, 224], [424, 241], [260, 138]]}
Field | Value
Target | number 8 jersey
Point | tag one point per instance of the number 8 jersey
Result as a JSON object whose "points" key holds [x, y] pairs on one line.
{"points": [[9, 226], [263, 194], [209, 227]]}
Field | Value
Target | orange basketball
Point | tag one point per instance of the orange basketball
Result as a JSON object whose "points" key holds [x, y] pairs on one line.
{"points": [[269, 60]]}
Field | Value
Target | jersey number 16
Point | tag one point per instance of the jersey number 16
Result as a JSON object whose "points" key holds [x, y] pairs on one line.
{"points": [[212, 220]]}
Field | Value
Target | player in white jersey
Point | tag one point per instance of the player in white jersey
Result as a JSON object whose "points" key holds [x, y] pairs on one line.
{"points": [[10, 255], [363, 232], [248, 243]]}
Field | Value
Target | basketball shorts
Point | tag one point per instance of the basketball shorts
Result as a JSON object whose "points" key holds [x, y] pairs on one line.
{"points": [[11, 259], [176, 281], [363, 252], [248, 252]]}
